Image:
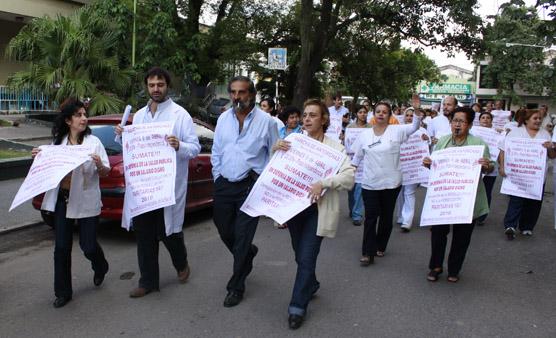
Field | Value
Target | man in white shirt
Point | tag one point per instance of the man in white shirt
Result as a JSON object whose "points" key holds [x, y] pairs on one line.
{"points": [[164, 224], [337, 111], [440, 125]]}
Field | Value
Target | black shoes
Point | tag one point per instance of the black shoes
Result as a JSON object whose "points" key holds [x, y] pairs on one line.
{"points": [[295, 321], [61, 301], [232, 299], [357, 223], [98, 278]]}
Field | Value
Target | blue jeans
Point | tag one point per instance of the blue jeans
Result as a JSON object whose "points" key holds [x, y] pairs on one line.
{"points": [[522, 213], [355, 201], [63, 243], [306, 245]]}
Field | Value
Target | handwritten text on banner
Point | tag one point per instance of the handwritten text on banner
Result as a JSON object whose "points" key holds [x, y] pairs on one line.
{"points": [[282, 190], [525, 167], [149, 167], [453, 182]]}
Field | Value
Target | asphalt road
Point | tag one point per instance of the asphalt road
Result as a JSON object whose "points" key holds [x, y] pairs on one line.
{"points": [[506, 288]]}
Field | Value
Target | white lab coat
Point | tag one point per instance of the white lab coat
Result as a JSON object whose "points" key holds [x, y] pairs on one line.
{"points": [[189, 148]]}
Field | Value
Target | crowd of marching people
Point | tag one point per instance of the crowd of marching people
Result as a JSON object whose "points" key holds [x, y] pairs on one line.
{"points": [[246, 137]]}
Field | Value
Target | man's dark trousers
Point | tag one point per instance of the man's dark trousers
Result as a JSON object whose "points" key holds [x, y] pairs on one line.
{"points": [[235, 227], [149, 229]]}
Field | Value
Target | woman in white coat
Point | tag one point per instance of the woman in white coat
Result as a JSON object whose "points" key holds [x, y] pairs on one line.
{"points": [[76, 198], [309, 227]]}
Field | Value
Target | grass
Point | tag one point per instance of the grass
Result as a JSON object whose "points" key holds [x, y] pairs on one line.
{"points": [[4, 123], [8, 153]]}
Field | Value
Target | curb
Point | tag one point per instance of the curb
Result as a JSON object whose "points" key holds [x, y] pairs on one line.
{"points": [[21, 227]]}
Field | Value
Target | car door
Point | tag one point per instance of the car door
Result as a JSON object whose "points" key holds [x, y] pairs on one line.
{"points": [[200, 186]]}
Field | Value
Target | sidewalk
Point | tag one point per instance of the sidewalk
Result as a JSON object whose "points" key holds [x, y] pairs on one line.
{"points": [[26, 131], [22, 216]]}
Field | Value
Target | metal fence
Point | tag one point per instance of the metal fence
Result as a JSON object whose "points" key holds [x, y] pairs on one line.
{"points": [[17, 101]]}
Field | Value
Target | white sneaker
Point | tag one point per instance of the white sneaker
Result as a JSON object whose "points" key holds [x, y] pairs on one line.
{"points": [[527, 233]]}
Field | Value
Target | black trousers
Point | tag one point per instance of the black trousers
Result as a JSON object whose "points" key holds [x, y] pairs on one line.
{"points": [[149, 229], [63, 244], [461, 237], [379, 205], [236, 228]]}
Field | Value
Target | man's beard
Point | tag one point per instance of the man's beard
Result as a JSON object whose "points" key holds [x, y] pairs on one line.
{"points": [[240, 106], [163, 97]]}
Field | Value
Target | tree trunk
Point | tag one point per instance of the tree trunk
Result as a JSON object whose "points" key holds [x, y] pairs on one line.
{"points": [[313, 45]]}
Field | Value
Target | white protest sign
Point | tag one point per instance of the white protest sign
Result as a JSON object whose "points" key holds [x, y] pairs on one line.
{"points": [[452, 189], [335, 128], [350, 138], [500, 118], [149, 168], [49, 167], [412, 153], [282, 189], [491, 137], [525, 167], [476, 121]]}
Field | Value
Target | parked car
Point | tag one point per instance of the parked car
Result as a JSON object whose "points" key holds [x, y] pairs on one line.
{"points": [[112, 187], [217, 107]]}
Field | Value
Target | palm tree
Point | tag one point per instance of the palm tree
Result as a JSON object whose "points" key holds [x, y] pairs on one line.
{"points": [[73, 56]]}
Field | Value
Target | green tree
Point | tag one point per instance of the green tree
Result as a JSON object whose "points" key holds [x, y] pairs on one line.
{"points": [[514, 49], [447, 24], [74, 56]]}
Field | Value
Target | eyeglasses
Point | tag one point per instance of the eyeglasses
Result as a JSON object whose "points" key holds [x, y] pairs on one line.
{"points": [[459, 122]]}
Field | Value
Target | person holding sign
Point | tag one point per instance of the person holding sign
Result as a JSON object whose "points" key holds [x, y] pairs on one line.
{"points": [[378, 151], [406, 197], [76, 198], [308, 228], [461, 122], [355, 200], [164, 224], [523, 213], [243, 141], [485, 121]]}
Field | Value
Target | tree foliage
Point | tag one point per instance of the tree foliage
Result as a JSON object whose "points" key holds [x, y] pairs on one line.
{"points": [[514, 47], [74, 56]]}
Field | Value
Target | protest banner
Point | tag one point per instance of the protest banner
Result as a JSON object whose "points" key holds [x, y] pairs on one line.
{"points": [[476, 121], [282, 189], [500, 118], [491, 137], [452, 189], [525, 167], [149, 168], [49, 167], [335, 128], [350, 138], [412, 153]]}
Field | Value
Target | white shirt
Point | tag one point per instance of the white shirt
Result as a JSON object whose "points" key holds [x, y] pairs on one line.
{"points": [[189, 148], [84, 195], [439, 126], [279, 123], [335, 128], [380, 155]]}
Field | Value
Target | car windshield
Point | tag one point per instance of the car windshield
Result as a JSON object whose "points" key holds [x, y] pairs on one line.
{"points": [[106, 135]]}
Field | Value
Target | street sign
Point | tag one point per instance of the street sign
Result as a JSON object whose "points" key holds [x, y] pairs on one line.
{"points": [[277, 58], [446, 88]]}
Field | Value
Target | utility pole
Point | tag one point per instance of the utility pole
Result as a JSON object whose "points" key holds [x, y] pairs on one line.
{"points": [[133, 36]]}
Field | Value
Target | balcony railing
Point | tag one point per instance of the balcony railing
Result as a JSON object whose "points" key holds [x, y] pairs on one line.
{"points": [[28, 100]]}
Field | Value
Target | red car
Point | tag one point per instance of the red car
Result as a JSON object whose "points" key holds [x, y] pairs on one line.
{"points": [[112, 187]]}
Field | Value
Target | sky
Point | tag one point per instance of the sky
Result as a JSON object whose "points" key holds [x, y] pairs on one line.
{"points": [[487, 7]]}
